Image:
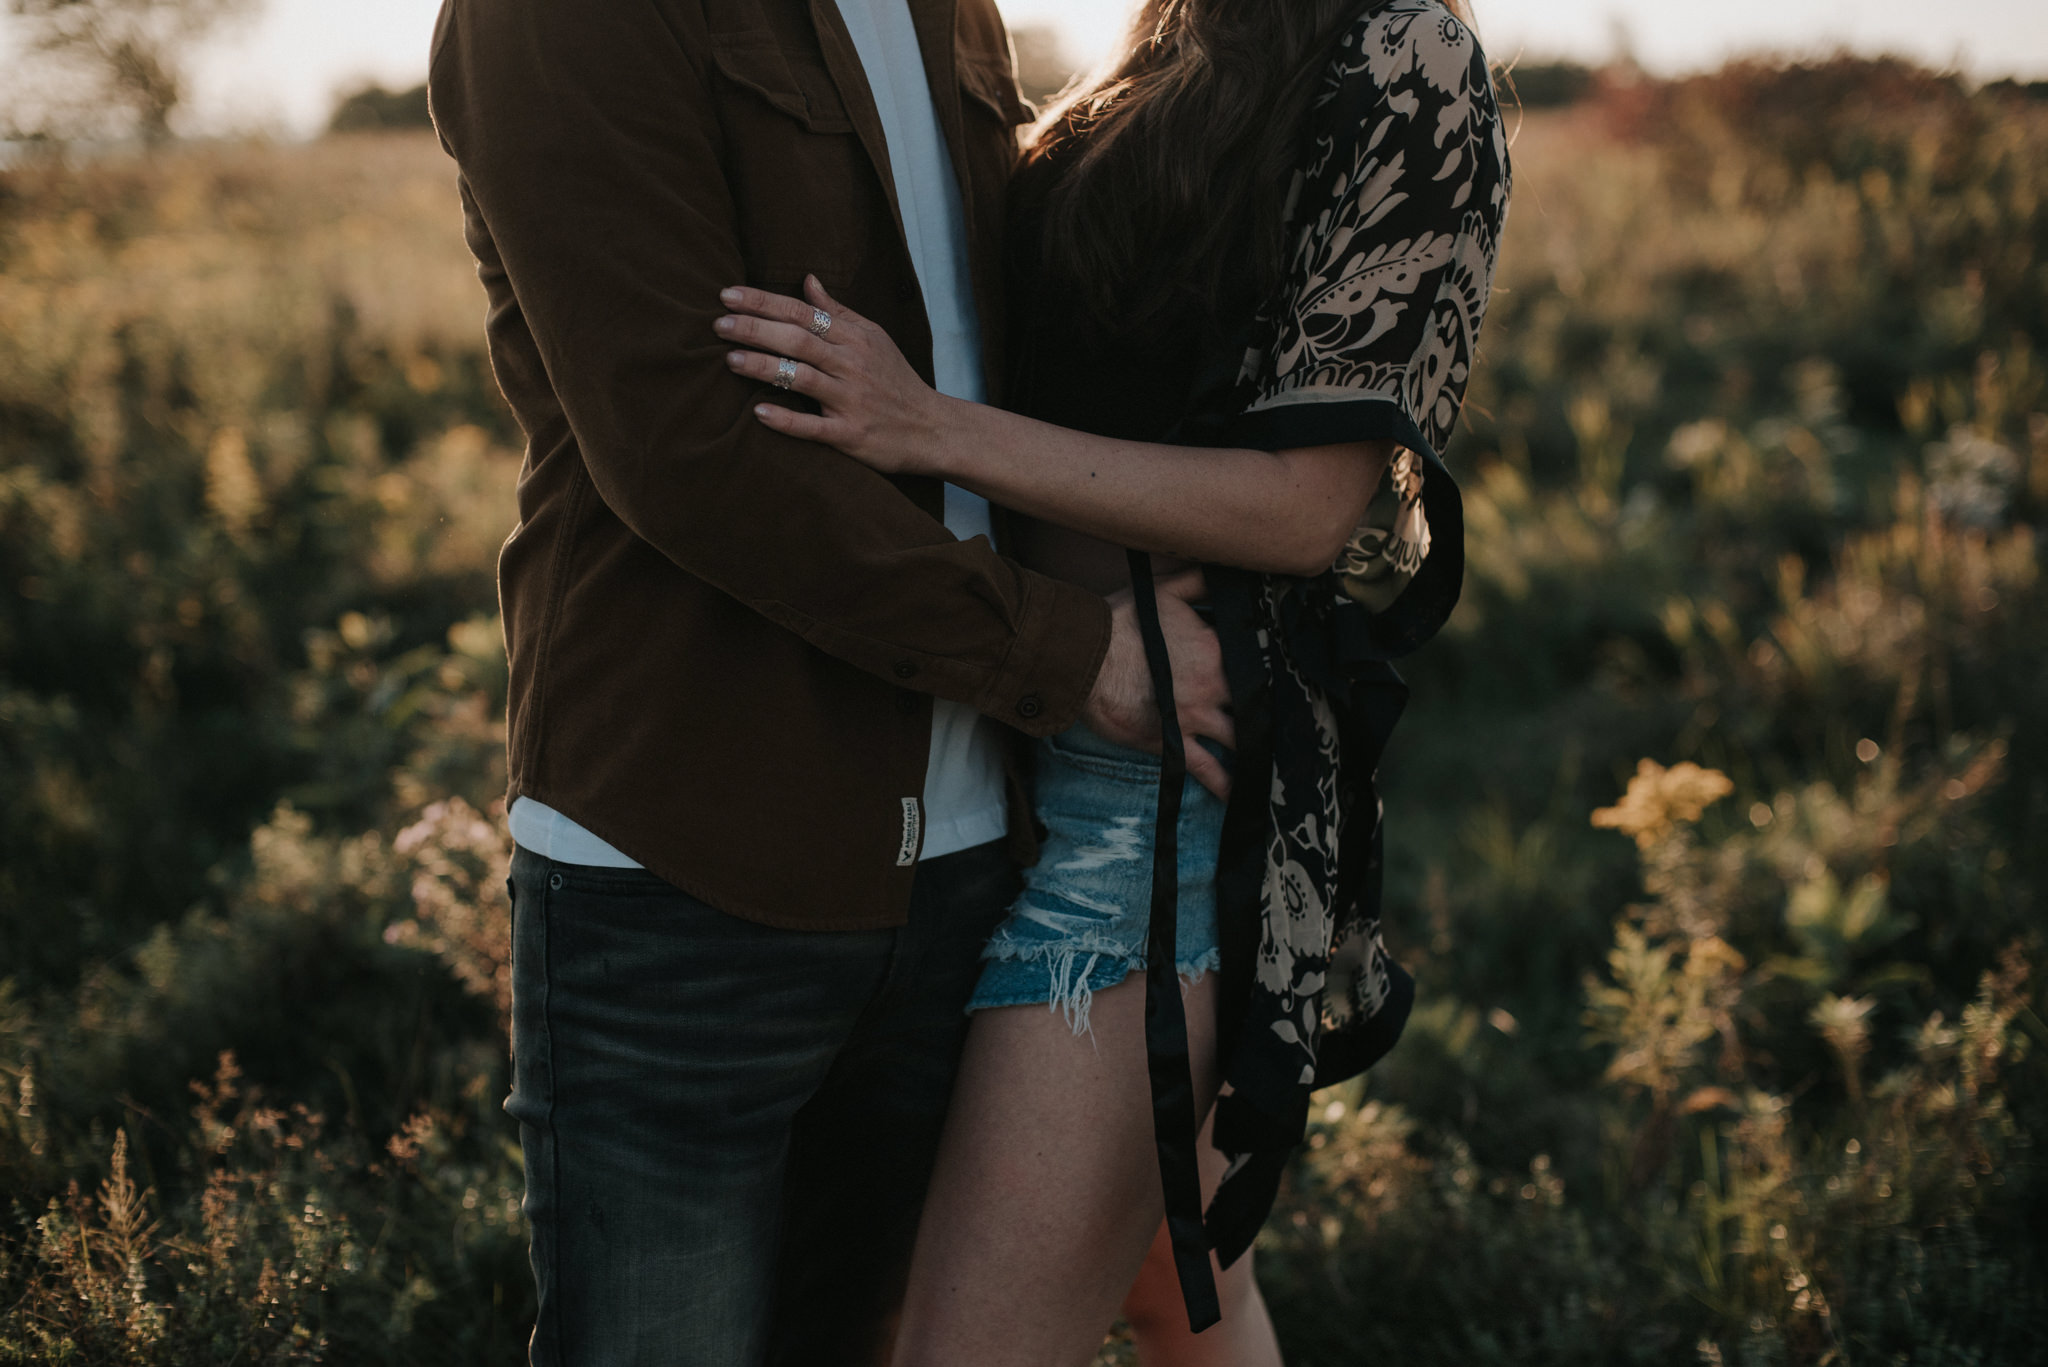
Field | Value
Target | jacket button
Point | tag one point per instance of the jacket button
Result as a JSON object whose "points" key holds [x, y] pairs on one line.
{"points": [[905, 669], [1028, 707], [906, 701]]}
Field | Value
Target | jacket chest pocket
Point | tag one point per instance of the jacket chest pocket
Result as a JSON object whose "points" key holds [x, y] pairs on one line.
{"points": [[802, 190], [992, 92], [991, 116]]}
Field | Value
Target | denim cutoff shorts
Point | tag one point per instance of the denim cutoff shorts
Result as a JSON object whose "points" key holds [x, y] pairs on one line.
{"points": [[1081, 922]]}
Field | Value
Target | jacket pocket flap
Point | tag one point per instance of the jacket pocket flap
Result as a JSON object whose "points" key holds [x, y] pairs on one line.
{"points": [[991, 85], [807, 95]]}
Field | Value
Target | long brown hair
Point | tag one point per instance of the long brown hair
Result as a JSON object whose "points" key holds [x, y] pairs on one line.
{"points": [[1180, 151]]}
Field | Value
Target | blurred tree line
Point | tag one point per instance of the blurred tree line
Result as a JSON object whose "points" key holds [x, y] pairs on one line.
{"points": [[373, 108], [1043, 70], [1717, 820], [104, 68]]}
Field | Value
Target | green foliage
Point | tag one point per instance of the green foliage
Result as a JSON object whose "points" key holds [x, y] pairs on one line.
{"points": [[251, 698], [1730, 1055], [254, 474]]}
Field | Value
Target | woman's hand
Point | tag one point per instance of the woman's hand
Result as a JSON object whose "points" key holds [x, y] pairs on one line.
{"points": [[875, 408]]}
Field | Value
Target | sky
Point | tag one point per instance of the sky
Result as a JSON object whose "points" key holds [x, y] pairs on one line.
{"points": [[282, 70]]}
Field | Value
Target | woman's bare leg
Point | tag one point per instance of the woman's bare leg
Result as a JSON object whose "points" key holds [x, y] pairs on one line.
{"points": [[1159, 1319], [1046, 1193]]}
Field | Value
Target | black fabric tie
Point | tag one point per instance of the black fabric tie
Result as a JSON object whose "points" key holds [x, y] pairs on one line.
{"points": [[1166, 1023]]}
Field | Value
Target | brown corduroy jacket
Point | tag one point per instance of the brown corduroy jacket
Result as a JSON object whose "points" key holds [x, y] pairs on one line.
{"points": [[724, 643]]}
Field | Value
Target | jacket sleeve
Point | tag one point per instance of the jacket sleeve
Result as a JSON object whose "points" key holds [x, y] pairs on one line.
{"points": [[590, 157]]}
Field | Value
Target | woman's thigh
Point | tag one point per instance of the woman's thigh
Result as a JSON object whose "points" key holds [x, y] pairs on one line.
{"points": [[1046, 1194]]}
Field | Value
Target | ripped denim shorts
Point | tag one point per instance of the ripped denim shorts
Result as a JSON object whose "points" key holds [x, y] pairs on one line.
{"points": [[1080, 924]]}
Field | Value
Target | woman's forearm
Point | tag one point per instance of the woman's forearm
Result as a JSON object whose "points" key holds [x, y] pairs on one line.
{"points": [[1286, 511], [1283, 511]]}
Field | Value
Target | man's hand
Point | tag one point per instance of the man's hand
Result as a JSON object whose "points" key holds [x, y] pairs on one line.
{"points": [[1121, 707]]}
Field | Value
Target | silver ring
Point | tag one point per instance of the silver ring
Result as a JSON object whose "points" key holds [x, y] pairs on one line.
{"points": [[785, 374], [821, 322]]}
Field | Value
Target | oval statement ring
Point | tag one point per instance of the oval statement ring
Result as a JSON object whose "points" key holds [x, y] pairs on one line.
{"points": [[821, 322], [785, 374]]}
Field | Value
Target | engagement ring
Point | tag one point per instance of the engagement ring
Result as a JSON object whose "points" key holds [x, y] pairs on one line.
{"points": [[821, 322], [785, 374]]}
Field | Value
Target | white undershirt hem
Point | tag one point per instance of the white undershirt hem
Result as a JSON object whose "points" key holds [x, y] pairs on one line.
{"points": [[540, 829], [965, 832]]}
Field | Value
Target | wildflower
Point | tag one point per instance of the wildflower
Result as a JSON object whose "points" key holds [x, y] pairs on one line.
{"points": [[1659, 799]]}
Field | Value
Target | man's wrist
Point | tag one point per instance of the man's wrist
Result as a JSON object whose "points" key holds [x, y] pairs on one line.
{"points": [[1115, 698]]}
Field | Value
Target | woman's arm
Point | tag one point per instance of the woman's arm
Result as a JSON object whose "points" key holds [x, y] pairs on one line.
{"points": [[1284, 511]]}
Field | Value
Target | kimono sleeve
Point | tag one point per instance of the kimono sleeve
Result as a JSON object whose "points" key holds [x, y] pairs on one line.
{"points": [[1395, 226]]}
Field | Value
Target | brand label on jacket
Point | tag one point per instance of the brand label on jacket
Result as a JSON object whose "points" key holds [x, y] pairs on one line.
{"points": [[913, 827]]}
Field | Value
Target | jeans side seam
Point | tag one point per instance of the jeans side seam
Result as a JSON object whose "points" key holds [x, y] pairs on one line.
{"points": [[547, 1027]]}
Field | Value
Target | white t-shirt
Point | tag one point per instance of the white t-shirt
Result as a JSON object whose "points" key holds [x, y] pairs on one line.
{"points": [[963, 786]]}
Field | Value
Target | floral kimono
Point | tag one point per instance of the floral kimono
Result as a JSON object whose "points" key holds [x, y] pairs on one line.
{"points": [[1395, 219]]}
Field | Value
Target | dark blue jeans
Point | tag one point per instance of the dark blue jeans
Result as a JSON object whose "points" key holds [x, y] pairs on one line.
{"points": [[728, 1128]]}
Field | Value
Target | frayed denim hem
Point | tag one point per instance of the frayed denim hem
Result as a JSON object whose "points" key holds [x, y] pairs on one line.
{"points": [[1074, 972]]}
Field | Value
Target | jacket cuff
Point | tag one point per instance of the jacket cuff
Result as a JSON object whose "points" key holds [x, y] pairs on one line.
{"points": [[1045, 679]]}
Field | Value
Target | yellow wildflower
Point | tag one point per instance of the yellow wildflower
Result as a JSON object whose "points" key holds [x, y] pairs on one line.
{"points": [[1658, 799]]}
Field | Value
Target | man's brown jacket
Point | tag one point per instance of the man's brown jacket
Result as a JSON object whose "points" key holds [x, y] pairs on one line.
{"points": [[725, 642]]}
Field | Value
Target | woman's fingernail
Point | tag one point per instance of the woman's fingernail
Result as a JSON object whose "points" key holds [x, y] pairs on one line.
{"points": [[735, 358], [726, 324], [730, 296], [760, 410]]}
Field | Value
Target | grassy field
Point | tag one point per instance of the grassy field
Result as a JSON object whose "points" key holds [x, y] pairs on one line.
{"points": [[1718, 827]]}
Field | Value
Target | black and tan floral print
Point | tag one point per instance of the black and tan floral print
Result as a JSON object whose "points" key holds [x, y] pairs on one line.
{"points": [[1397, 219], [1396, 216]]}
